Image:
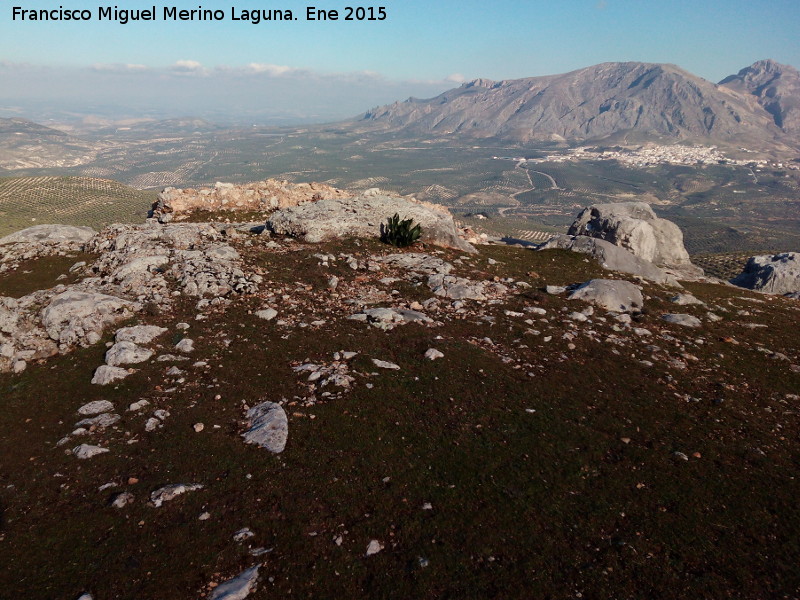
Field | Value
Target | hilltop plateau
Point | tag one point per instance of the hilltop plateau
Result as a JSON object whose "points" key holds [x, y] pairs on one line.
{"points": [[255, 409]]}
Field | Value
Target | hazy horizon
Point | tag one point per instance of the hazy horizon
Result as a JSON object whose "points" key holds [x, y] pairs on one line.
{"points": [[300, 71]]}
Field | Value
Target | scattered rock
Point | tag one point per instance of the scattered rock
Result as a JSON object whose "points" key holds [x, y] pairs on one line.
{"points": [[122, 499], [243, 534], [186, 345], [127, 353], [237, 588], [85, 451], [686, 300], [374, 547], [169, 492], [433, 354], [268, 427], [682, 319], [611, 294], [267, 314], [382, 364], [106, 374], [95, 407]]}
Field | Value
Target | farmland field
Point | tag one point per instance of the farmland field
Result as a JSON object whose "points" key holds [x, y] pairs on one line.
{"points": [[26, 201]]}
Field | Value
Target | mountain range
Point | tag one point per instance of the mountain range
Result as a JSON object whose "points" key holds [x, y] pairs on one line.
{"points": [[625, 101]]}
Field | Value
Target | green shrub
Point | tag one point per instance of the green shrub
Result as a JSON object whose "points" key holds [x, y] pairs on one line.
{"points": [[400, 233]]}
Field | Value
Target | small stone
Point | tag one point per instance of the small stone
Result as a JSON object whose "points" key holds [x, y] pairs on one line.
{"points": [[385, 364], [374, 547], [433, 354], [237, 588], [243, 534], [268, 427], [186, 345], [85, 451], [19, 366], [680, 455], [427, 506], [122, 500], [138, 405], [267, 314], [198, 427], [169, 492], [204, 516], [95, 407]]}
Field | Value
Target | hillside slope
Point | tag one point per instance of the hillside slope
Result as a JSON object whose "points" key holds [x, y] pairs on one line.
{"points": [[549, 448]]}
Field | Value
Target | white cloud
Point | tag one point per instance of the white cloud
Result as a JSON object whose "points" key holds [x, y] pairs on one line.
{"points": [[118, 67], [456, 78], [189, 67], [273, 70]]}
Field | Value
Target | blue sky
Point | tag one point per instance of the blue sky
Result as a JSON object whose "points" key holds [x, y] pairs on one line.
{"points": [[422, 48]]}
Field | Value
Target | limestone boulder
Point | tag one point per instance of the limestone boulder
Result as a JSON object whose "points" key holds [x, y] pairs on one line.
{"points": [[363, 217], [267, 427], [611, 257], [611, 294], [771, 274], [635, 227]]}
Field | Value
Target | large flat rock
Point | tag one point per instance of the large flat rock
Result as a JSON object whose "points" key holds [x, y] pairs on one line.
{"points": [[363, 217]]}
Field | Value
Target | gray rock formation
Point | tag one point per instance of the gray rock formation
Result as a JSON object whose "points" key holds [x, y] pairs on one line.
{"points": [[363, 217], [267, 426], [611, 257], [635, 227], [460, 288], [771, 274], [85, 451], [611, 294], [75, 317]]}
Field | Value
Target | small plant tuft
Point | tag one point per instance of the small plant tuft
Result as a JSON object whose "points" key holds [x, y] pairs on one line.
{"points": [[400, 233]]}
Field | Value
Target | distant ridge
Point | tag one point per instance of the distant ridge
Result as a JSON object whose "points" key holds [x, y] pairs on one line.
{"points": [[631, 100], [777, 88]]}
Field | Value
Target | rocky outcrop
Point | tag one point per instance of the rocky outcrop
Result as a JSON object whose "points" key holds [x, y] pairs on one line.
{"points": [[771, 274], [43, 234], [271, 194], [363, 217], [614, 258], [41, 240], [635, 227]]}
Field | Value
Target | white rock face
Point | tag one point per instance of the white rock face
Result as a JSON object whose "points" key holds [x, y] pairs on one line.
{"points": [[106, 374], [611, 294], [635, 227], [363, 217], [268, 427], [127, 353], [771, 274]]}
